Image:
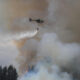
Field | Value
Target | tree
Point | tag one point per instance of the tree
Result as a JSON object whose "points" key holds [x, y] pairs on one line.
{"points": [[9, 73], [4, 73], [15, 75], [12, 73], [0, 73]]}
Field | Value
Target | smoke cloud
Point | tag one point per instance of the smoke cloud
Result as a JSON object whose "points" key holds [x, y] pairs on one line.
{"points": [[53, 59], [43, 73]]}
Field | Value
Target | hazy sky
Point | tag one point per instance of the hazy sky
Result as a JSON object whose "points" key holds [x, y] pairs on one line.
{"points": [[8, 54]]}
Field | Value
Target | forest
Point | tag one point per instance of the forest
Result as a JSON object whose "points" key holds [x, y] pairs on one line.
{"points": [[8, 73]]}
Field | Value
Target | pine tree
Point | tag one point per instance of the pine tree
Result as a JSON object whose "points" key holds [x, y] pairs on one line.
{"points": [[0, 73], [4, 73], [12, 73], [15, 75]]}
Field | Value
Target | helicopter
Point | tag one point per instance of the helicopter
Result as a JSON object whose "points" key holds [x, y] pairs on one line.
{"points": [[37, 20]]}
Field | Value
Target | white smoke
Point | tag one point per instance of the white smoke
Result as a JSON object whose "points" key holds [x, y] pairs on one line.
{"points": [[44, 74], [21, 35], [58, 52], [50, 52]]}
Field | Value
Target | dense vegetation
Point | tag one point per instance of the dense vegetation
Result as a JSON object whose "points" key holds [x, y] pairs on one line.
{"points": [[8, 73]]}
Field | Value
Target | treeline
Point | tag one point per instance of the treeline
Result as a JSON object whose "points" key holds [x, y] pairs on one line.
{"points": [[8, 73]]}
